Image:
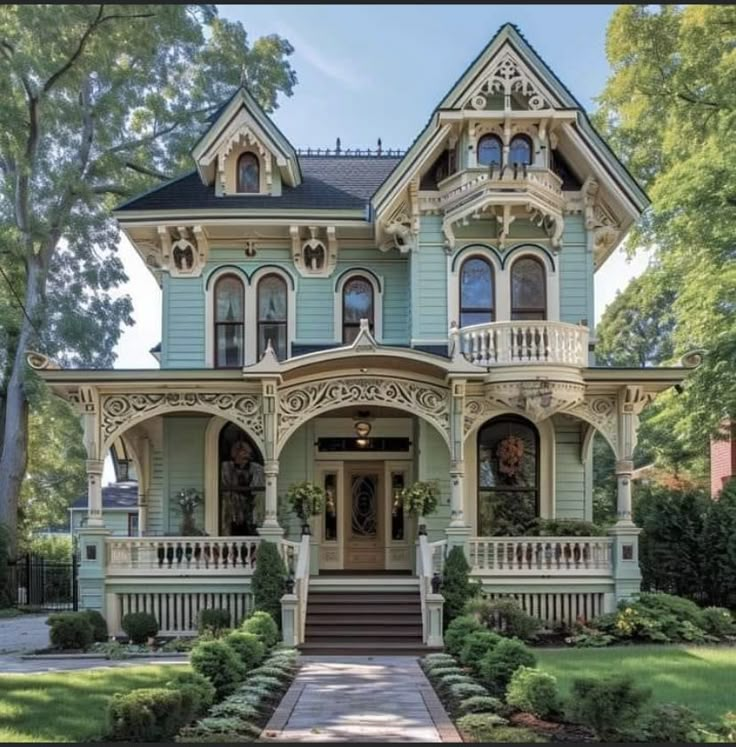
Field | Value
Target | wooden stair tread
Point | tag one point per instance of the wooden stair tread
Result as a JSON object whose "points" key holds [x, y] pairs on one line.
{"points": [[351, 620], [335, 631]]}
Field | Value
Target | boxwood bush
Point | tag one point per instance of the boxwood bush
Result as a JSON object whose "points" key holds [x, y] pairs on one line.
{"points": [[534, 692], [98, 624], [146, 715], [262, 624], [139, 626], [70, 631], [216, 661], [247, 646], [476, 646], [497, 667], [200, 691], [213, 620], [480, 704], [458, 630], [269, 580]]}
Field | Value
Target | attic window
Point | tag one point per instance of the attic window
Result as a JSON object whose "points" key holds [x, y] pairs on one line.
{"points": [[249, 173], [520, 151], [489, 151]]}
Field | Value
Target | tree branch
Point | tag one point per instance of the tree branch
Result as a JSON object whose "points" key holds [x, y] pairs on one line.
{"points": [[147, 171]]}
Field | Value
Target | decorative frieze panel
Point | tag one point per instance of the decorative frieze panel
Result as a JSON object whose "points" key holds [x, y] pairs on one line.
{"points": [[602, 413], [119, 411], [300, 403], [507, 75], [315, 255], [181, 251]]}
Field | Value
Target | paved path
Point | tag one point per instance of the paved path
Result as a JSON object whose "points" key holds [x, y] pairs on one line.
{"points": [[23, 633], [16, 665], [360, 698]]}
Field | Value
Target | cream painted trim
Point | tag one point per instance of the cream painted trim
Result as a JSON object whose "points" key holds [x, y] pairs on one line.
{"points": [[502, 280], [547, 477], [377, 282], [210, 281], [211, 478], [251, 311], [326, 549]]}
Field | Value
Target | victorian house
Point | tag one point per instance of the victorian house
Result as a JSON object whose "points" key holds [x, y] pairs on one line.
{"points": [[363, 321]]}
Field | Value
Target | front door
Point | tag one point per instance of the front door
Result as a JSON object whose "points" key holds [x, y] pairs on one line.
{"points": [[364, 519]]}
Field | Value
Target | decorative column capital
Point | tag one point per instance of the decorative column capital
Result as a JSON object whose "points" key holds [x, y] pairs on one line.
{"points": [[94, 466], [624, 467]]}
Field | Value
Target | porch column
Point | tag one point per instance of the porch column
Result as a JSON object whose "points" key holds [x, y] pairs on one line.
{"points": [[624, 470], [458, 530], [94, 492], [270, 525]]}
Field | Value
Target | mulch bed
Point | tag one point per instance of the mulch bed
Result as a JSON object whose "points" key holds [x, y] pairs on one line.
{"points": [[555, 731]]}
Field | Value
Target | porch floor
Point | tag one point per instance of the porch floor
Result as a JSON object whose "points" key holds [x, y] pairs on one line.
{"points": [[360, 699]]}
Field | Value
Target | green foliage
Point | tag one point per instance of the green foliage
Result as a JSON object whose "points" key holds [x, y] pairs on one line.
{"points": [[420, 498], [214, 620], [668, 722], [200, 690], [269, 580], [97, 623], [6, 595], [718, 621], [147, 715], [437, 673], [476, 646], [54, 549], [458, 630], [306, 500], [444, 682], [480, 704], [457, 588], [216, 661], [220, 730], [139, 626], [436, 658], [70, 631], [262, 625], [718, 545], [497, 667], [505, 616], [534, 692], [488, 727], [610, 706], [461, 691], [247, 646]]}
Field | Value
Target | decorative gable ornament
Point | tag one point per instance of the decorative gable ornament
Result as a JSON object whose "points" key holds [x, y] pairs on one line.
{"points": [[181, 251], [507, 75], [314, 257]]}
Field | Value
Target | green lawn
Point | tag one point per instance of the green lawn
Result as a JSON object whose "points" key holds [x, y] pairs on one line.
{"points": [[702, 678], [68, 706]]}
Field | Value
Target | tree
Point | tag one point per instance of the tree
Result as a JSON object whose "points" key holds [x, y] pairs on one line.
{"points": [[99, 101], [669, 109]]}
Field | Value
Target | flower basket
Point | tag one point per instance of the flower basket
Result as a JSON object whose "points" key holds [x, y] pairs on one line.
{"points": [[306, 500], [420, 499], [189, 499]]}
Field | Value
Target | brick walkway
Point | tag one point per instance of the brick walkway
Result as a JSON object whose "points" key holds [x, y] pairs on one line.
{"points": [[360, 698]]}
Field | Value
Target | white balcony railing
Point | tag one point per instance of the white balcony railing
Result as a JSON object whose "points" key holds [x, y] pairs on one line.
{"points": [[534, 556], [516, 343]]}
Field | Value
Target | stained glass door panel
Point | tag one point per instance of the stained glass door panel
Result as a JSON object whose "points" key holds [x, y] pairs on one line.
{"points": [[365, 518]]}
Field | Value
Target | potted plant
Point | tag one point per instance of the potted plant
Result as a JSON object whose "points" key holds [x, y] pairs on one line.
{"points": [[420, 499], [189, 499], [306, 500]]}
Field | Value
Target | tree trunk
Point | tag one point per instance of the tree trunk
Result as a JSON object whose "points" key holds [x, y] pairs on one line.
{"points": [[15, 436]]}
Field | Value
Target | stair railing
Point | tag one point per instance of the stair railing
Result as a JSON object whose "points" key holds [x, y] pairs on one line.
{"points": [[431, 600], [294, 602]]}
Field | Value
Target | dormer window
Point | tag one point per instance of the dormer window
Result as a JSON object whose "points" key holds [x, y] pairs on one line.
{"points": [[490, 151], [249, 173], [520, 151]]}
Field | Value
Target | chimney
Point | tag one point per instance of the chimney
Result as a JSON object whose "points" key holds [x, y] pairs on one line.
{"points": [[722, 458]]}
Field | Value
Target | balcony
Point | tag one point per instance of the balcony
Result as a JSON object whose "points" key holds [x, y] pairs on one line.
{"points": [[522, 343]]}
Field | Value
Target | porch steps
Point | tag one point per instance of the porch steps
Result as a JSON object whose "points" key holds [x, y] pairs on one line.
{"points": [[382, 620]]}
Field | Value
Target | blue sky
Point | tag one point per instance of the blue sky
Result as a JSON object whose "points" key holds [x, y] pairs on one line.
{"points": [[369, 71]]}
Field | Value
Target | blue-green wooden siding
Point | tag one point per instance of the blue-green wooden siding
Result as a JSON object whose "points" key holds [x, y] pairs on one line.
{"points": [[429, 283], [433, 463], [576, 274], [183, 466], [570, 493], [115, 521]]}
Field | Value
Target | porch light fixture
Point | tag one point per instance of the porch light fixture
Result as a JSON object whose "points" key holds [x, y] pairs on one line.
{"points": [[362, 429]]}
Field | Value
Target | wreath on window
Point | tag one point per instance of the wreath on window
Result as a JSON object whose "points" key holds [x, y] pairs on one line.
{"points": [[510, 454]]}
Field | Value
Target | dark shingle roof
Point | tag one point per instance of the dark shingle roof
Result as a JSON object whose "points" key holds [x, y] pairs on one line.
{"points": [[329, 182], [117, 495]]}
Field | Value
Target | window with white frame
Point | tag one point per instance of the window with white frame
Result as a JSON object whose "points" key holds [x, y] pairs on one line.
{"points": [[229, 321], [273, 315], [358, 295]]}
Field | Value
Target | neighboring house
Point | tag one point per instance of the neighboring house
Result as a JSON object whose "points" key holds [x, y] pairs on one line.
{"points": [[119, 510], [722, 458], [364, 320]]}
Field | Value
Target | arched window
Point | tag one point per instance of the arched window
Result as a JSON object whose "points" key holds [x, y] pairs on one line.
{"points": [[229, 322], [490, 150], [508, 477], [520, 151], [241, 485], [357, 304], [476, 292], [272, 316], [528, 289], [249, 175]]}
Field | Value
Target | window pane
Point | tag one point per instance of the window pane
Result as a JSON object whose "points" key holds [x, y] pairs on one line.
{"points": [[331, 522], [242, 483], [229, 345], [276, 332], [520, 151], [468, 318], [476, 289], [358, 301], [489, 151], [528, 316], [272, 299], [229, 304], [248, 176], [527, 285], [350, 332]]}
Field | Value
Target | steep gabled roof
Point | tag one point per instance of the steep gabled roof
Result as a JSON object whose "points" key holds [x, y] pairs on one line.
{"points": [[119, 495]]}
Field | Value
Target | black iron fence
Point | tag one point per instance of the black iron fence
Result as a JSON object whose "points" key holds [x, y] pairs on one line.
{"points": [[44, 583]]}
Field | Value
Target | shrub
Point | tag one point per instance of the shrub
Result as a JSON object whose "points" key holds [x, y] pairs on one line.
{"points": [[233, 707], [247, 646], [280, 673], [139, 626], [506, 616], [97, 623], [480, 704], [669, 723], [214, 620], [487, 727], [534, 692], [146, 715], [200, 690], [70, 630], [269, 580], [440, 672], [219, 729], [262, 625], [476, 646], [718, 621], [497, 667], [263, 680], [456, 586], [566, 528], [445, 682], [216, 661], [463, 690], [458, 630], [608, 705]]}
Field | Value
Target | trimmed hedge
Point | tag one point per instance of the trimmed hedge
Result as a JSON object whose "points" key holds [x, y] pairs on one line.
{"points": [[457, 632], [269, 581], [497, 667], [147, 715], [214, 620], [98, 624], [70, 631], [262, 625], [216, 661], [247, 646], [139, 626], [534, 692]]}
